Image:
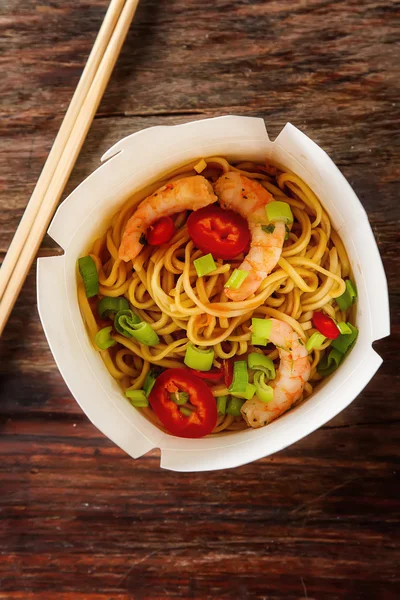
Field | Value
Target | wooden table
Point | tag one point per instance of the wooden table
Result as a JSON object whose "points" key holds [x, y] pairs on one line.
{"points": [[79, 519]]}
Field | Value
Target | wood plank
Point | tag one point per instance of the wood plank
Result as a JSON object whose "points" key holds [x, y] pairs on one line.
{"points": [[305, 505], [192, 55]]}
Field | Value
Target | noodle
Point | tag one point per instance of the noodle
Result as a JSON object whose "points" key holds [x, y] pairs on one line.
{"points": [[164, 290]]}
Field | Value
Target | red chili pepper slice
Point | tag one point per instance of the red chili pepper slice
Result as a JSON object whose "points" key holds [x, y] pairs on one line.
{"points": [[227, 367], [161, 231], [224, 233], [325, 325], [213, 374], [202, 420]]}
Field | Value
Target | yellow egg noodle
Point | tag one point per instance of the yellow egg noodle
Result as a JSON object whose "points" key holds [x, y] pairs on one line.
{"points": [[164, 290]]}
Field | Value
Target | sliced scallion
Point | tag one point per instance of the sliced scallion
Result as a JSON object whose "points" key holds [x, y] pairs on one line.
{"points": [[259, 362], [221, 404], [330, 362], [344, 341], [204, 265], [107, 305], [200, 359], [344, 328], [258, 341], [149, 383], [130, 325], [103, 339], [137, 398], [234, 406], [124, 321], [240, 377], [261, 327], [247, 394], [348, 297], [315, 341], [88, 271], [145, 334], [264, 392], [339, 349], [279, 211], [236, 279]]}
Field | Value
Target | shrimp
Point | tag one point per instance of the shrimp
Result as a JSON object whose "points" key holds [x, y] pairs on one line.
{"points": [[188, 193], [293, 372], [249, 198]]}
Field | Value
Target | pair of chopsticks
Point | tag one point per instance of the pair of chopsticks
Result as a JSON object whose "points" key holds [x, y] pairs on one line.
{"points": [[64, 153]]}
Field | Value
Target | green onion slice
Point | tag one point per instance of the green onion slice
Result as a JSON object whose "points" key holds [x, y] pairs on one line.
{"points": [[261, 327], [258, 341], [145, 334], [221, 404], [200, 359], [348, 297], [339, 348], [88, 271], [279, 211], [247, 394], [344, 328], [259, 362], [107, 305], [315, 341], [103, 339], [264, 392], [236, 279], [149, 383], [204, 265], [124, 321], [330, 362], [240, 377], [130, 325], [344, 341], [234, 406], [137, 398]]}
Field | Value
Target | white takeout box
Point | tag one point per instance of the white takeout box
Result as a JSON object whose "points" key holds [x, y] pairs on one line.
{"points": [[133, 163]]}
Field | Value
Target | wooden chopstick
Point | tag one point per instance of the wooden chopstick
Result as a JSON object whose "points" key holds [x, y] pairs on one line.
{"points": [[28, 239], [75, 106]]}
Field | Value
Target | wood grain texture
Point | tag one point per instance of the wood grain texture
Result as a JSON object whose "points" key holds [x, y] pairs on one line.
{"points": [[79, 520]]}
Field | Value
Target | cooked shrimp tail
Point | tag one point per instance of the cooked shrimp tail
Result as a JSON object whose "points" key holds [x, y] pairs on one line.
{"points": [[292, 375], [249, 198], [188, 193]]}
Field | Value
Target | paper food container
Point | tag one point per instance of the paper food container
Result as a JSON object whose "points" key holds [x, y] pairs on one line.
{"points": [[129, 166]]}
